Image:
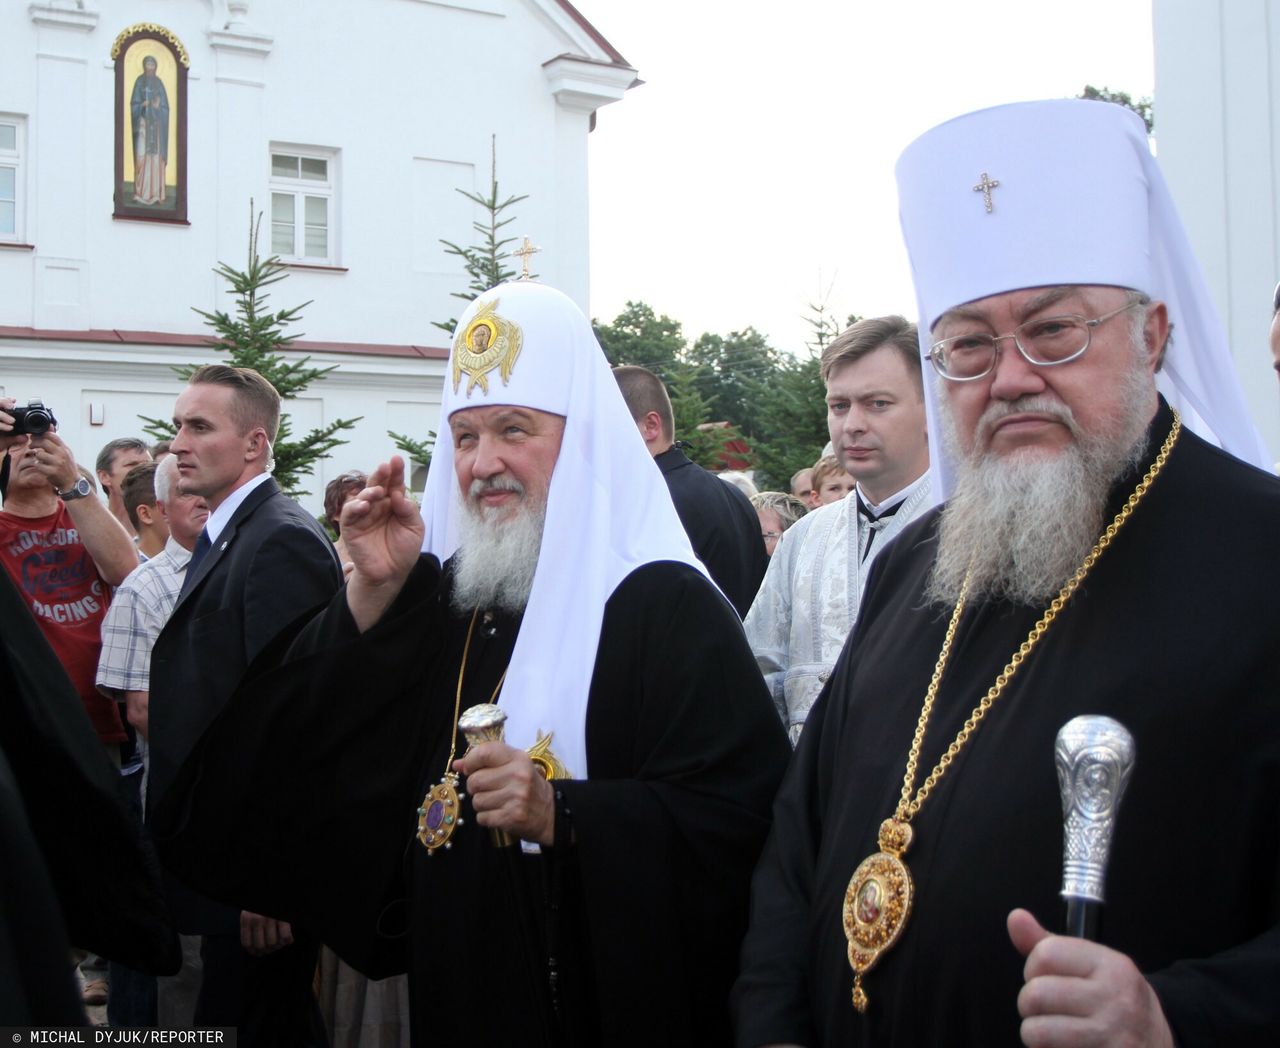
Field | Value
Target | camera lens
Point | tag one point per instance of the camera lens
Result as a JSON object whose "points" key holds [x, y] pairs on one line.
{"points": [[35, 419], [38, 422]]}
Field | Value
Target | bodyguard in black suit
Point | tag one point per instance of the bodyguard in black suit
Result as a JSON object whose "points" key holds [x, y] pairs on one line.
{"points": [[262, 562], [721, 523]]}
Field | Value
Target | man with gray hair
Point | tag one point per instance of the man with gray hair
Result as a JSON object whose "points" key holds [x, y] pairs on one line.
{"points": [[143, 601], [910, 888], [812, 591]]}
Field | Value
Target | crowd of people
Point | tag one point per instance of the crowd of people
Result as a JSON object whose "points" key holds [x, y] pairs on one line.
{"points": [[593, 747]]}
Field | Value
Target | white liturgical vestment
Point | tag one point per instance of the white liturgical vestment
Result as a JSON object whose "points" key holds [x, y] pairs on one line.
{"points": [[809, 599]]}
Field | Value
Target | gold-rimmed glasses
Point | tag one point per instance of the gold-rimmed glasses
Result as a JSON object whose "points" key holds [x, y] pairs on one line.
{"points": [[1044, 342]]}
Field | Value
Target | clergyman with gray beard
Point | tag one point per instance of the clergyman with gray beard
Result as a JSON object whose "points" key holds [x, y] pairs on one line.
{"points": [[582, 879], [1095, 555]]}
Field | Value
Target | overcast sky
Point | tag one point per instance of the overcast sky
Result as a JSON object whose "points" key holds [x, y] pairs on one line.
{"points": [[752, 172]]}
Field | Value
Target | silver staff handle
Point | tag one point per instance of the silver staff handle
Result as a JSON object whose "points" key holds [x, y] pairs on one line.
{"points": [[485, 723], [1094, 757]]}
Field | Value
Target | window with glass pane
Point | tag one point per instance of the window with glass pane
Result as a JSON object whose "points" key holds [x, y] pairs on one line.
{"points": [[282, 223], [8, 201], [10, 179], [317, 227], [302, 198]]}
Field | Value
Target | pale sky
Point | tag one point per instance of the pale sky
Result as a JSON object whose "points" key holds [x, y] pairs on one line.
{"points": [[752, 172]]}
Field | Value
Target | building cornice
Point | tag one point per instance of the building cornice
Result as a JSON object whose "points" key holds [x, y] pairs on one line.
{"points": [[64, 14], [172, 338], [584, 84], [241, 42]]}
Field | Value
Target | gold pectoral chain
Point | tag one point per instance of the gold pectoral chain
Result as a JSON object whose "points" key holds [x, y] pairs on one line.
{"points": [[441, 810], [877, 902], [439, 814]]}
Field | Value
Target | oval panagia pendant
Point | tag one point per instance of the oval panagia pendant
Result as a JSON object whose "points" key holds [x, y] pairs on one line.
{"points": [[877, 904], [440, 814]]}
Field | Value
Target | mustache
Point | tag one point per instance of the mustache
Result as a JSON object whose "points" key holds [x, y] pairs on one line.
{"points": [[482, 487], [1039, 405], [479, 488]]}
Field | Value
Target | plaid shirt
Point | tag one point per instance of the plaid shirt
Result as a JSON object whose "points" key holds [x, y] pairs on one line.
{"points": [[139, 609]]}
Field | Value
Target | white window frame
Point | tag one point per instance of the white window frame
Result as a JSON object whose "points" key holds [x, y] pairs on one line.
{"points": [[15, 159], [300, 189]]}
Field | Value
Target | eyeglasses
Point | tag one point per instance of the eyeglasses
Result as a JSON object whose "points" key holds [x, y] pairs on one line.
{"points": [[767, 535], [1044, 342]]}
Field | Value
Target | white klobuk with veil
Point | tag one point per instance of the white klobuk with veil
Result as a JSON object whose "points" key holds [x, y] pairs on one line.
{"points": [[1041, 194], [608, 509]]}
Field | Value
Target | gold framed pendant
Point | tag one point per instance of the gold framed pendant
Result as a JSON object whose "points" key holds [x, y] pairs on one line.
{"points": [[440, 814], [877, 904]]}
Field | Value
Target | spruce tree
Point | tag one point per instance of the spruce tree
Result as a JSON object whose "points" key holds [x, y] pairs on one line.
{"points": [[253, 338], [690, 413], [487, 264], [418, 451]]}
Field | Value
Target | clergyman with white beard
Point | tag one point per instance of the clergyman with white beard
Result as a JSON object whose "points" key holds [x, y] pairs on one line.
{"points": [[641, 749]]}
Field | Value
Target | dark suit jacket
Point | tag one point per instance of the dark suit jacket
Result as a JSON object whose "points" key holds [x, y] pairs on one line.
{"points": [[271, 564], [722, 526]]}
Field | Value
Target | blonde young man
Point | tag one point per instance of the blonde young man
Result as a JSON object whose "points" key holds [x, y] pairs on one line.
{"points": [[260, 561]]}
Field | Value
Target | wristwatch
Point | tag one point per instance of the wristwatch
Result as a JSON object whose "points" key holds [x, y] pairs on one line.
{"points": [[78, 490]]}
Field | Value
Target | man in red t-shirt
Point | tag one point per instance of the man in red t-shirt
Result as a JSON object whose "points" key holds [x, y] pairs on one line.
{"points": [[64, 550]]}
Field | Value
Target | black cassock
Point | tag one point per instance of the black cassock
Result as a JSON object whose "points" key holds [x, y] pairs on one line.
{"points": [[1174, 634], [301, 802], [74, 867], [722, 526]]}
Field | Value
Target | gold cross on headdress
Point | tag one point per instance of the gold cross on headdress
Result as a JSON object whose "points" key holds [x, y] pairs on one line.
{"points": [[984, 187], [525, 252]]}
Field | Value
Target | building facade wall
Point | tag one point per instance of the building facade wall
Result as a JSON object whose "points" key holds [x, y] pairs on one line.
{"points": [[1217, 124], [404, 98]]}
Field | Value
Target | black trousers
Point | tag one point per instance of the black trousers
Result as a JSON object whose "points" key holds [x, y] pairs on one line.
{"points": [[269, 1000]]}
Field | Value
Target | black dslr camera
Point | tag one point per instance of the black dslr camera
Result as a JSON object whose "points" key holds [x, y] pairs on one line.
{"points": [[35, 419]]}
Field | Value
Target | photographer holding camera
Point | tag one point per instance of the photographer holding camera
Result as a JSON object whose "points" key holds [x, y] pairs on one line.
{"points": [[63, 549]]}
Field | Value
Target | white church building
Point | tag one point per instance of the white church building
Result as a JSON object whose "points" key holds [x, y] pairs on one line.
{"points": [[135, 133]]}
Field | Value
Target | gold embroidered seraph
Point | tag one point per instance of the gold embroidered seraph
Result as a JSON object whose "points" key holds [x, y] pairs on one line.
{"points": [[488, 342]]}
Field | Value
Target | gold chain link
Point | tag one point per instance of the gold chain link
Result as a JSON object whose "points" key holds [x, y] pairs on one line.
{"points": [[907, 807]]}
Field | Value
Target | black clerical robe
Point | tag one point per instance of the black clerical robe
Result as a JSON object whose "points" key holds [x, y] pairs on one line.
{"points": [[301, 801], [74, 867], [721, 524], [1173, 634]]}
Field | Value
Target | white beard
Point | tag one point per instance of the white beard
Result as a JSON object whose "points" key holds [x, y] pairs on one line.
{"points": [[1021, 524], [496, 558]]}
